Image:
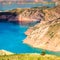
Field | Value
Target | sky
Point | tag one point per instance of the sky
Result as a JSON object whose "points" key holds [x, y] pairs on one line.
{"points": [[29, 0]]}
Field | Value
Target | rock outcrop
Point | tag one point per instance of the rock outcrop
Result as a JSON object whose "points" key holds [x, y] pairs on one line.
{"points": [[46, 35], [50, 14], [23, 16]]}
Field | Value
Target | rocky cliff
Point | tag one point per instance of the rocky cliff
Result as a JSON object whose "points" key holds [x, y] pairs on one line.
{"points": [[52, 13], [23, 16], [46, 35]]}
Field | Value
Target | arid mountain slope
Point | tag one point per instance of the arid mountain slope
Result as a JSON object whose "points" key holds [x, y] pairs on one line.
{"points": [[46, 35], [52, 13], [23, 15]]}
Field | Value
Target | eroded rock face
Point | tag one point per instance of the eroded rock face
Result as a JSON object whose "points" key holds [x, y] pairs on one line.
{"points": [[46, 35], [52, 13], [28, 15], [23, 16], [35, 14]]}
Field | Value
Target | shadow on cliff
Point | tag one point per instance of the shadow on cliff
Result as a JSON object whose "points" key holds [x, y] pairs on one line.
{"points": [[8, 17], [13, 18]]}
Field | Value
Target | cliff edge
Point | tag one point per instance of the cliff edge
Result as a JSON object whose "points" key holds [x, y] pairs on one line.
{"points": [[46, 35], [23, 15]]}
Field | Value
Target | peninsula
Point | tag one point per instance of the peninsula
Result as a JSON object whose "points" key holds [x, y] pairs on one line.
{"points": [[46, 35]]}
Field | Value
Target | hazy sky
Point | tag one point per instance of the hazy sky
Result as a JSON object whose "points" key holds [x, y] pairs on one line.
{"points": [[25, 0], [29, 0]]}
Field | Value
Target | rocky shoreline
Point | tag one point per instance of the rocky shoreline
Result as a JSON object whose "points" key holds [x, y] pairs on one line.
{"points": [[46, 35]]}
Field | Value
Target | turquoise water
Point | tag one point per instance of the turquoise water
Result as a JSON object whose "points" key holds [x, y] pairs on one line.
{"points": [[12, 35], [11, 39]]}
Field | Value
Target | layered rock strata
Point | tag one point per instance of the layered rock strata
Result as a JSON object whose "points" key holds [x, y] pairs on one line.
{"points": [[46, 35]]}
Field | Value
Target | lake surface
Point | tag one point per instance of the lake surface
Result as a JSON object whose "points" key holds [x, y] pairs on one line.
{"points": [[12, 35], [11, 39]]}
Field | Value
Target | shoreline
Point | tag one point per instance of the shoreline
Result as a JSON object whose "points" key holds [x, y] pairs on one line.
{"points": [[5, 52]]}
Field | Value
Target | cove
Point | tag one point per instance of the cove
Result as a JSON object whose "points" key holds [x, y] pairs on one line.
{"points": [[11, 39]]}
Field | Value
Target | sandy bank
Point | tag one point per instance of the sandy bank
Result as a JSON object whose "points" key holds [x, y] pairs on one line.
{"points": [[4, 52]]}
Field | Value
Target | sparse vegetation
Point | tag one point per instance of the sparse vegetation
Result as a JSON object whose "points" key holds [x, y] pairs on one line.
{"points": [[17, 11], [43, 52], [29, 57]]}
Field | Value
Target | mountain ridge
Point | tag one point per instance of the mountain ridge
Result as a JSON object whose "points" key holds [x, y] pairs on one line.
{"points": [[22, 16]]}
